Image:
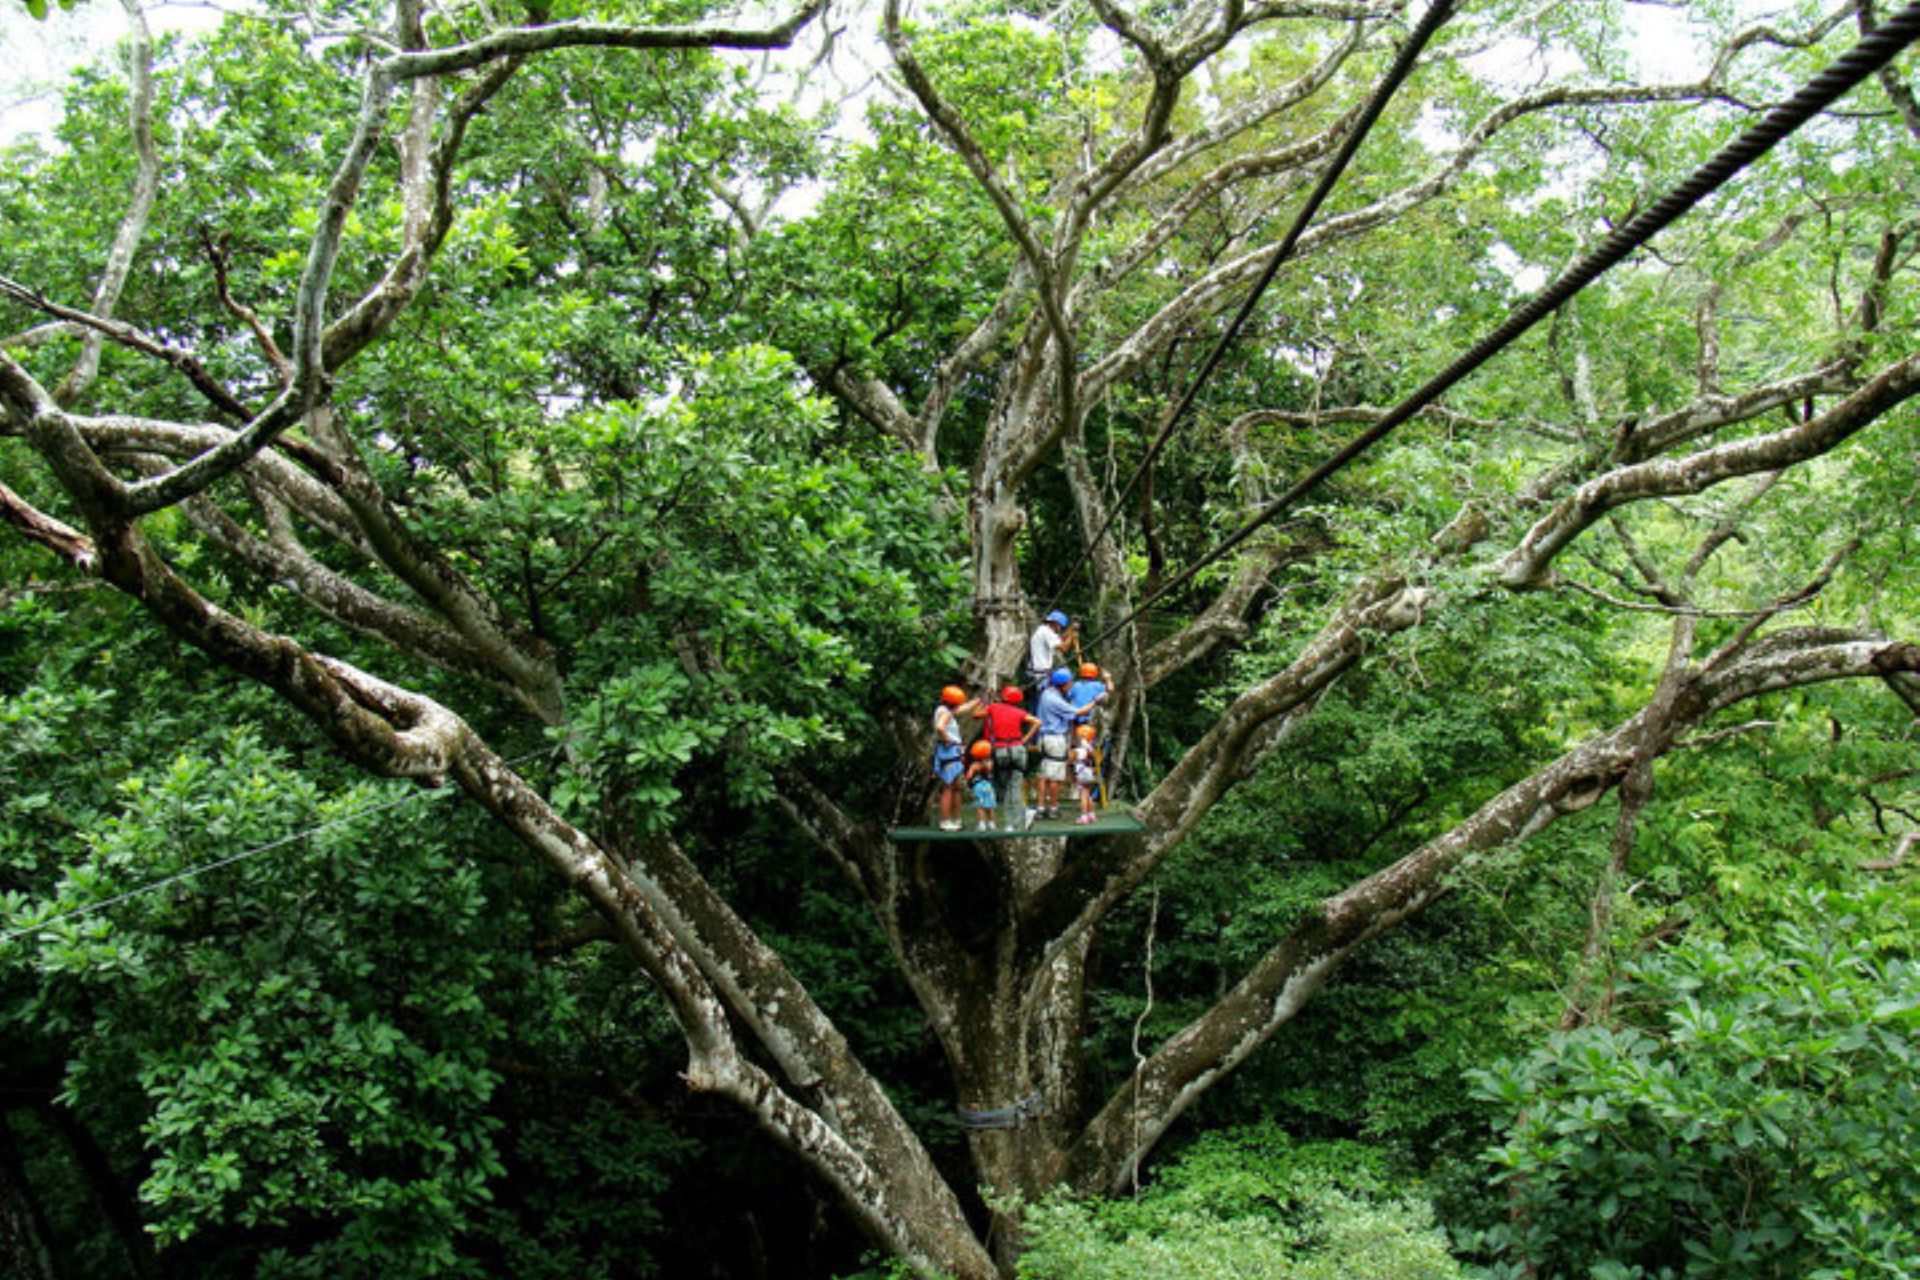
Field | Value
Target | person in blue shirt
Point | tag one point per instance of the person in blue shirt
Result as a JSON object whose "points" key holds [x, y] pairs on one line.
{"points": [[1056, 712], [1087, 693]]}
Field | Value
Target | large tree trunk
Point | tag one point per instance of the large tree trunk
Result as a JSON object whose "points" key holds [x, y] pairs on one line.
{"points": [[25, 1251]]}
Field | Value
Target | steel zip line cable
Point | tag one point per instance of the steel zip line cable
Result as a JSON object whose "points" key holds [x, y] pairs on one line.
{"points": [[1436, 14], [204, 867], [1873, 52]]}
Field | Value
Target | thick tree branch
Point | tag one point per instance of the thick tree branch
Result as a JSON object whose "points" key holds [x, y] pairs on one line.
{"points": [[1049, 286], [134, 340], [1251, 114], [426, 187], [1195, 1058], [523, 41], [279, 558], [133, 220], [305, 387], [874, 401], [63, 540], [1709, 413], [1528, 563], [1213, 290], [309, 489]]}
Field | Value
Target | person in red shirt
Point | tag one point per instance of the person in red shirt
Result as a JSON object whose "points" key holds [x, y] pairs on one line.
{"points": [[1009, 729]]}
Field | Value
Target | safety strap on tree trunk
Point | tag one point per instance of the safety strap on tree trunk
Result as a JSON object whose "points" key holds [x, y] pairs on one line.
{"points": [[1011, 1117]]}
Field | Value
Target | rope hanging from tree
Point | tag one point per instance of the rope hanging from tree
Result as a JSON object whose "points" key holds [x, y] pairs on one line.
{"points": [[1874, 51]]}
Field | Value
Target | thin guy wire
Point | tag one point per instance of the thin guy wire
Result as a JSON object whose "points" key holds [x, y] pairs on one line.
{"points": [[1872, 53], [1436, 14], [191, 872]]}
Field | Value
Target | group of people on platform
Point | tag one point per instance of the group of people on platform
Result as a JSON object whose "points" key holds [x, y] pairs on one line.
{"points": [[1062, 725]]}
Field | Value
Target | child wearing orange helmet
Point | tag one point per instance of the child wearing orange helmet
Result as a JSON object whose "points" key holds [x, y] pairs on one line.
{"points": [[1087, 692], [1085, 765], [980, 782]]}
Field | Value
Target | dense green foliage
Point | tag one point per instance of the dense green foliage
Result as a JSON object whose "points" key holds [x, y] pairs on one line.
{"points": [[364, 1034], [1753, 1115], [1247, 1205]]}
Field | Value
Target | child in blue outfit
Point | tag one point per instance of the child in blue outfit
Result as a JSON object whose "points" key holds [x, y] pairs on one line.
{"points": [[980, 782]]}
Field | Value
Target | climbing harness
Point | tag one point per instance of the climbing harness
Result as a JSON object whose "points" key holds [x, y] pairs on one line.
{"points": [[1873, 52], [1010, 1117]]}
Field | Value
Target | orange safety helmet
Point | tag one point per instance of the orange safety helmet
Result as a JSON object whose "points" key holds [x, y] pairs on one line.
{"points": [[1089, 672], [1083, 732], [953, 695], [981, 749], [1012, 694]]}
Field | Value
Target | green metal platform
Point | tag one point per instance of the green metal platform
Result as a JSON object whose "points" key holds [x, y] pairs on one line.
{"points": [[1110, 822]]}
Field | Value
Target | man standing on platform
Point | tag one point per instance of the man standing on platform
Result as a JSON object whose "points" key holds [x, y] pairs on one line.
{"points": [[1056, 725], [1055, 633]]}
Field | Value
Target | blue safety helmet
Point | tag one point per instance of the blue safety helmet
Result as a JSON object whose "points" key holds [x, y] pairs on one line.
{"points": [[1061, 679], [1058, 619]]}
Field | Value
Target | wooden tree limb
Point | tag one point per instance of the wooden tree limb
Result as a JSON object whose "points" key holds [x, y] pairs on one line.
{"points": [[139, 207], [133, 339], [1049, 284], [1527, 564], [523, 662], [1707, 414], [1223, 621], [281, 559], [1904, 846], [1206, 190], [973, 349], [1193, 1059], [519, 656], [305, 386], [520, 42], [1167, 72], [427, 198], [1251, 114], [62, 539], [309, 489], [875, 401], [1907, 688], [1216, 288]]}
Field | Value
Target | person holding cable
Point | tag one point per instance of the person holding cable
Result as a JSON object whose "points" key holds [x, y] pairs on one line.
{"points": [[1055, 634]]}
